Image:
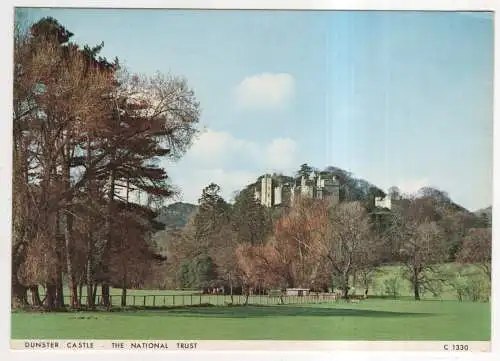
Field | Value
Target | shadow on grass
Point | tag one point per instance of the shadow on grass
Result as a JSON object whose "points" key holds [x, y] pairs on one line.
{"points": [[271, 311]]}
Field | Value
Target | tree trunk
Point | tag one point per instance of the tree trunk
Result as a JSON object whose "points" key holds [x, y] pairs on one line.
{"points": [[19, 296], [107, 245], [50, 299], [105, 295], [35, 296], [59, 301], [123, 245], [345, 286], [231, 289], [90, 240], [247, 294], [93, 293], [416, 287], [68, 232], [90, 296], [80, 293], [90, 289], [124, 296], [68, 236], [73, 290]]}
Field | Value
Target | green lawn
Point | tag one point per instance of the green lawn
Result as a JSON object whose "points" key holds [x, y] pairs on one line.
{"points": [[369, 320]]}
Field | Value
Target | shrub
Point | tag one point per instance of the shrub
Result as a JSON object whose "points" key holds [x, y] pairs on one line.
{"points": [[469, 285], [477, 289], [392, 286]]}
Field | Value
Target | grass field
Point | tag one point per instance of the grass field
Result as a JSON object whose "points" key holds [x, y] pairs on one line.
{"points": [[369, 320], [439, 317]]}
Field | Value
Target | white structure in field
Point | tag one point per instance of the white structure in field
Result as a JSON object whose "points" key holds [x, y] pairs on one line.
{"points": [[297, 291]]}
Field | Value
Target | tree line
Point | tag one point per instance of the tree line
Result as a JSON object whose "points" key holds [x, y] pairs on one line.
{"points": [[316, 244], [88, 138]]}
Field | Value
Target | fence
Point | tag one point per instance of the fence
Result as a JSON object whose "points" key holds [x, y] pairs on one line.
{"points": [[159, 300]]}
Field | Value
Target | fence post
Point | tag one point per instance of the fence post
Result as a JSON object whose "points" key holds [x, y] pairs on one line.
{"points": [[111, 300], [200, 298], [133, 300], [191, 303], [144, 302], [173, 300], [164, 304]]}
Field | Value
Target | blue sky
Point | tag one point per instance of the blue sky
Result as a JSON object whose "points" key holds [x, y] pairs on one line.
{"points": [[397, 98]]}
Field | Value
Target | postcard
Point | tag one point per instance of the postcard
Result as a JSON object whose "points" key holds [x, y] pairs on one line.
{"points": [[260, 180]]}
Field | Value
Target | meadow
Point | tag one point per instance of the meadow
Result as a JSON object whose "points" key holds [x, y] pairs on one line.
{"points": [[373, 319], [208, 317]]}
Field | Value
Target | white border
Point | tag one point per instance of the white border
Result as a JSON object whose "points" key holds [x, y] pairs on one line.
{"points": [[267, 345], [275, 4], [6, 11]]}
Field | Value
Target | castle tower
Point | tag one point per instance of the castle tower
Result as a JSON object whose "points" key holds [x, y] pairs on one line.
{"points": [[330, 188], [320, 186], [266, 192], [278, 195], [335, 190], [307, 187], [293, 191]]}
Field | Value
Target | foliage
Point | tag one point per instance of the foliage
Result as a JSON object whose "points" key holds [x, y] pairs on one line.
{"points": [[176, 215], [249, 219], [476, 248], [86, 136], [392, 286]]}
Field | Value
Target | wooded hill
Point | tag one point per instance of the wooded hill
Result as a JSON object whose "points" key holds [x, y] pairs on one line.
{"points": [[176, 215]]}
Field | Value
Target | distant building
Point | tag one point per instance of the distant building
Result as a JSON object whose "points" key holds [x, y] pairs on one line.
{"points": [[387, 202], [266, 193], [383, 202], [274, 193], [297, 292]]}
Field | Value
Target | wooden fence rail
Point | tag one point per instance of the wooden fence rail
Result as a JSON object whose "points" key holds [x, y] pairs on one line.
{"points": [[165, 300]]}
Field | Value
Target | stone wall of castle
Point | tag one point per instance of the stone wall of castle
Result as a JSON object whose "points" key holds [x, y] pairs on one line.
{"points": [[273, 193]]}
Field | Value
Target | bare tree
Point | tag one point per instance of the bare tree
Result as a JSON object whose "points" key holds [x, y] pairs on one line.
{"points": [[420, 241], [345, 240], [476, 249]]}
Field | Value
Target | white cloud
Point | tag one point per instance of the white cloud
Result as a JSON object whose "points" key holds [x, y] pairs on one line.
{"points": [[405, 185], [230, 162], [281, 154], [411, 186], [265, 91], [216, 149]]}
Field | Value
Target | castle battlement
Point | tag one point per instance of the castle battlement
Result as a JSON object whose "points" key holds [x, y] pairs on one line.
{"points": [[273, 193]]}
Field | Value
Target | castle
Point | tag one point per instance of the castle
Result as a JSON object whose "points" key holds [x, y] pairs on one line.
{"points": [[274, 193]]}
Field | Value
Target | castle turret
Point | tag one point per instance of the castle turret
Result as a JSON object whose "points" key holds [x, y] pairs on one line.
{"points": [[267, 191]]}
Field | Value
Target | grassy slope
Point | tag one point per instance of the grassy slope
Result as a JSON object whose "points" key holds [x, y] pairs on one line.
{"points": [[369, 320]]}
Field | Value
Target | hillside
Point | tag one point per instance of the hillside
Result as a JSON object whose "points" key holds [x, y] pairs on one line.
{"points": [[176, 215], [351, 188]]}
